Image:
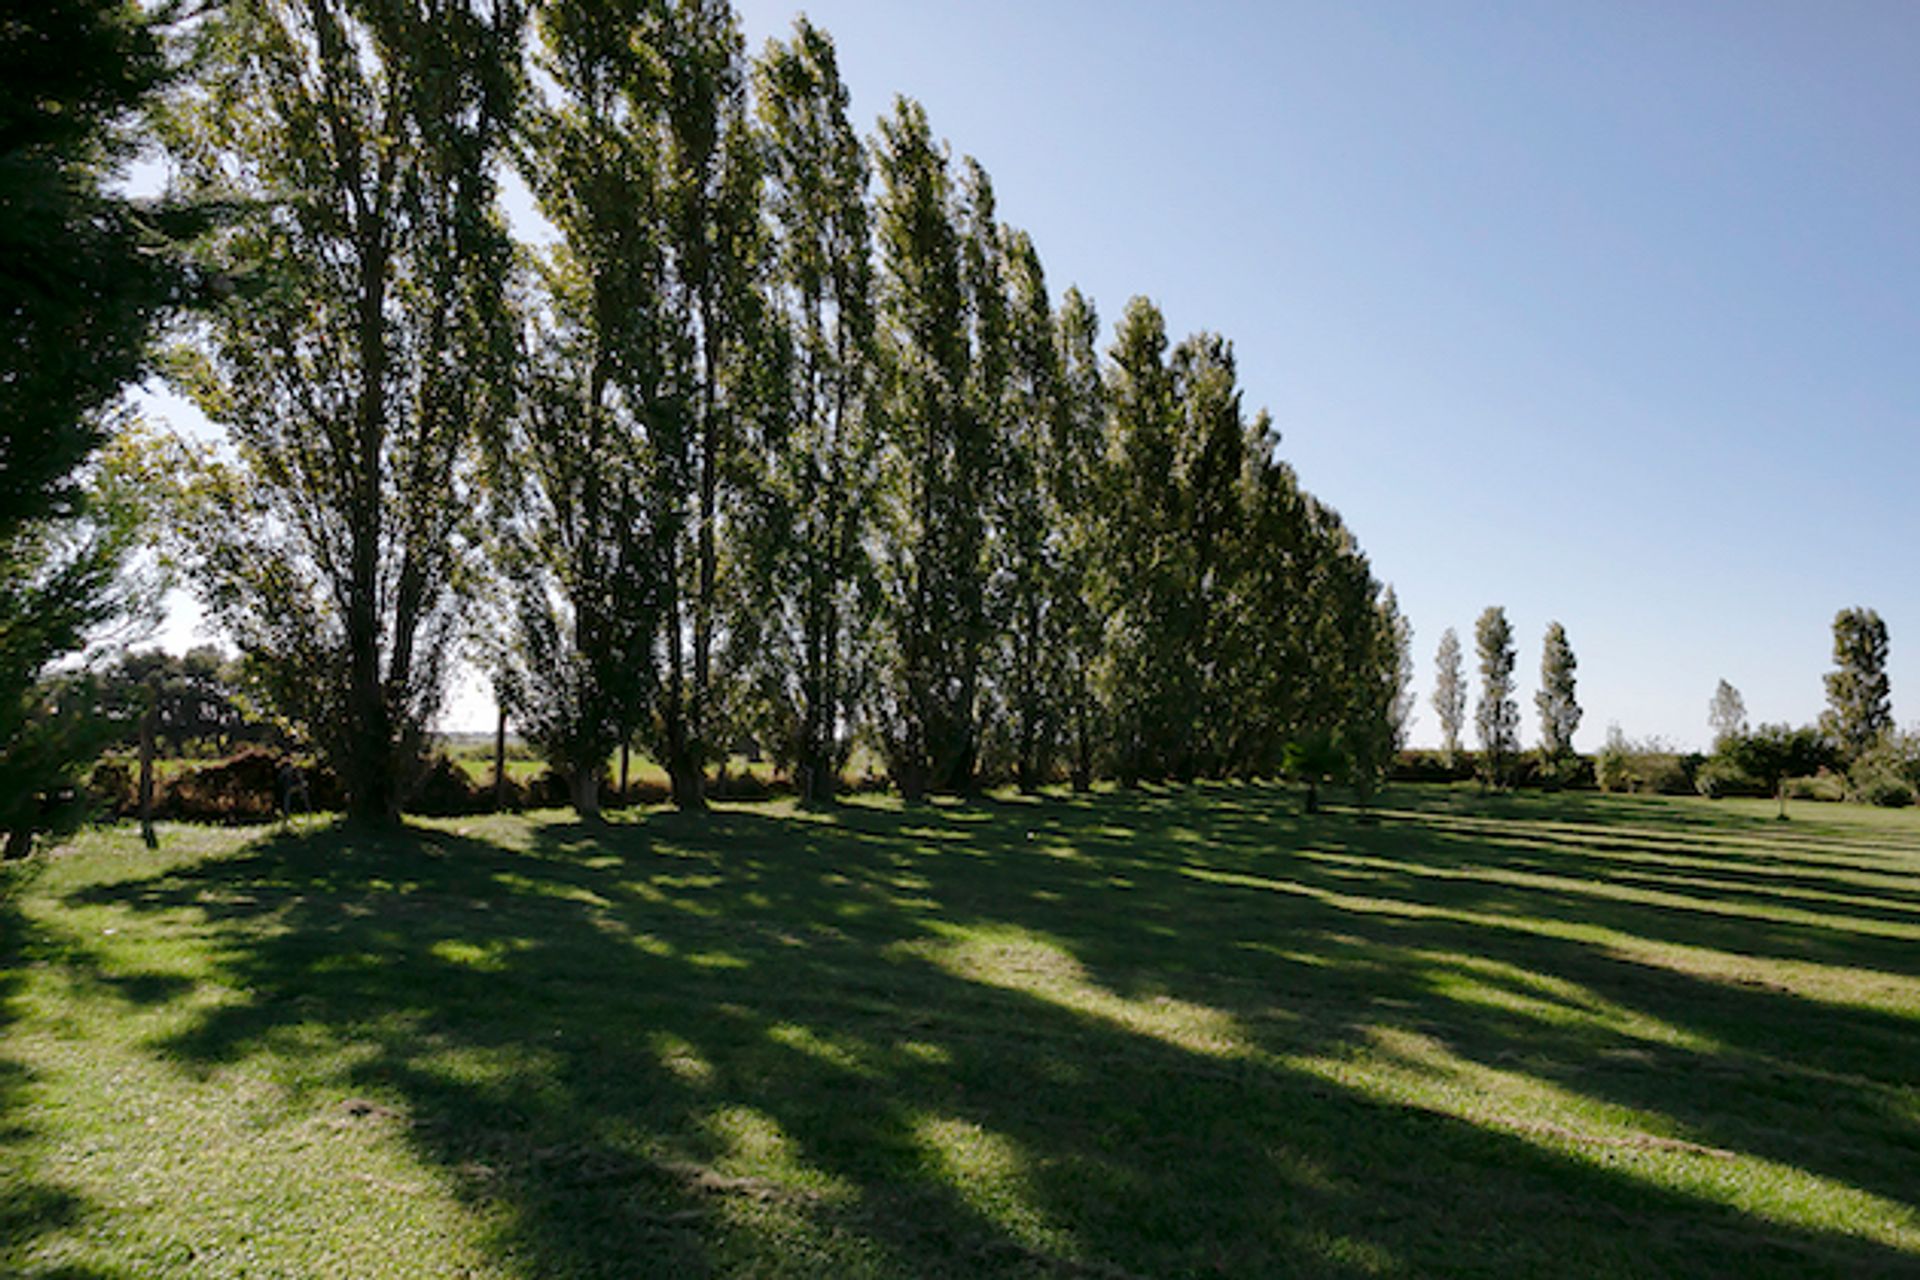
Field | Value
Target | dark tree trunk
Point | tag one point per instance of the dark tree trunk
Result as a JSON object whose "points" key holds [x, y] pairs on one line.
{"points": [[583, 785], [500, 762], [147, 835]]}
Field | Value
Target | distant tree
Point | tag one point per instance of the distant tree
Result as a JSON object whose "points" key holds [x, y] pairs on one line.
{"points": [[1496, 715], [1726, 714], [1399, 633], [1859, 704], [1449, 692], [1559, 711], [1773, 753]]}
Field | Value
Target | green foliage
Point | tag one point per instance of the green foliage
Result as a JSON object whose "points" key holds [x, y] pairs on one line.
{"points": [[1496, 715], [1859, 703], [1449, 691], [1559, 712], [1646, 766], [1773, 753], [1887, 773], [937, 458], [1726, 714], [86, 273], [802, 631], [61, 580], [362, 139]]}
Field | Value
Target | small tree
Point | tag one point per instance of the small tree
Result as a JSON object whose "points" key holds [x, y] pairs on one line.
{"points": [[1559, 712], [1497, 715], [1314, 758], [1449, 693], [1859, 703], [1775, 752], [1726, 714]]}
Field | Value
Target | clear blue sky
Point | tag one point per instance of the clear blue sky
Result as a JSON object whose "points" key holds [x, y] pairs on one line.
{"points": [[1601, 312]]}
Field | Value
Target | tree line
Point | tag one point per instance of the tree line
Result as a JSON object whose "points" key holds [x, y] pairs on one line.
{"points": [[782, 434]]}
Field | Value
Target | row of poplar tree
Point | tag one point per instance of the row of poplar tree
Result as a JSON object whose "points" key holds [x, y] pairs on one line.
{"points": [[781, 433]]}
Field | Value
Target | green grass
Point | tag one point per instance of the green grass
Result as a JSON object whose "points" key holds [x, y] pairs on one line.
{"points": [[1169, 1034]]}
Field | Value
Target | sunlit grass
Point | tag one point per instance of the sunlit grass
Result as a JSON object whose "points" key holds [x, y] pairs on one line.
{"points": [[1183, 1033]]}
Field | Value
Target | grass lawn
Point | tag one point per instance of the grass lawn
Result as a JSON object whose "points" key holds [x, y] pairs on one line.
{"points": [[1168, 1034]]}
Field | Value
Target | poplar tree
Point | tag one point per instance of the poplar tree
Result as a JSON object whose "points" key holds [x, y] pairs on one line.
{"points": [[575, 473], [711, 234], [1449, 693], [1074, 478], [931, 533], [1399, 633], [1209, 458], [1559, 711], [1028, 548], [806, 621], [1859, 700], [1496, 715], [1726, 715], [1147, 680], [363, 138]]}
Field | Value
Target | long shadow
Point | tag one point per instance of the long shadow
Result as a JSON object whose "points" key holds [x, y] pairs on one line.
{"points": [[737, 1045], [1805, 1082]]}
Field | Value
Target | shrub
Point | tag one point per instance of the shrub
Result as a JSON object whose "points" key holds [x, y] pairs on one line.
{"points": [[445, 790], [241, 788]]}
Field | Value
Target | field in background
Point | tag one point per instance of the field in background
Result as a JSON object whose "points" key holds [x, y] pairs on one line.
{"points": [[1166, 1034]]}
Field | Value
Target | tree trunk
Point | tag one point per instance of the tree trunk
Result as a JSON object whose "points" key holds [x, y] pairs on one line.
{"points": [[500, 761], [147, 835], [584, 786], [625, 747], [19, 844]]}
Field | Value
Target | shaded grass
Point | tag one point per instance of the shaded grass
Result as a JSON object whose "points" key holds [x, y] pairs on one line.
{"points": [[1184, 1033]]}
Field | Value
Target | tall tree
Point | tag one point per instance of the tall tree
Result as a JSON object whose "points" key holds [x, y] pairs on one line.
{"points": [[1028, 549], [1496, 715], [1399, 633], [1074, 478], [1555, 702], [808, 553], [85, 275], [603, 379], [364, 138], [933, 469], [1726, 714], [1147, 679], [1210, 457], [1859, 701], [1449, 692]]}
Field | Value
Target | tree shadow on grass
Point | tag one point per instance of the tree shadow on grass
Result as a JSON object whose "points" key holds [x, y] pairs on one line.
{"points": [[33, 1209], [752, 1043]]}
